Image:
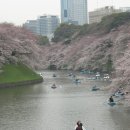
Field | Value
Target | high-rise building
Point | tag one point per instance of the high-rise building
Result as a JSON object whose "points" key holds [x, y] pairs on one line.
{"points": [[47, 24], [44, 25], [74, 11]]}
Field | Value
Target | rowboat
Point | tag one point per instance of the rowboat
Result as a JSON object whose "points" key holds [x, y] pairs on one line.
{"points": [[112, 103]]}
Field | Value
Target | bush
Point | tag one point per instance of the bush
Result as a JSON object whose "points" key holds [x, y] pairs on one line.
{"points": [[88, 28], [113, 21], [107, 24], [109, 65], [43, 40], [65, 31]]}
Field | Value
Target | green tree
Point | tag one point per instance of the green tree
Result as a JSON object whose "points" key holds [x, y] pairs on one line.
{"points": [[113, 21], [109, 64], [43, 40], [64, 31]]}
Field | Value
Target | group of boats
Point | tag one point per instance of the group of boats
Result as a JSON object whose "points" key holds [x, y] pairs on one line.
{"points": [[54, 85], [110, 102], [119, 94], [74, 78]]}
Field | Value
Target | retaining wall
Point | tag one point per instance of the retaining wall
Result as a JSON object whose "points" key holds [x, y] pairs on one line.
{"points": [[21, 83]]}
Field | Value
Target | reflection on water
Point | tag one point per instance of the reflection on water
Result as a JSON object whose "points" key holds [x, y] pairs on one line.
{"points": [[39, 107]]}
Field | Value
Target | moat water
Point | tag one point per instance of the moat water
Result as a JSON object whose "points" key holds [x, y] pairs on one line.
{"points": [[39, 107]]}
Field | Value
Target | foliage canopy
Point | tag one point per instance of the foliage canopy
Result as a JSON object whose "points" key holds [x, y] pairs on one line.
{"points": [[64, 31]]}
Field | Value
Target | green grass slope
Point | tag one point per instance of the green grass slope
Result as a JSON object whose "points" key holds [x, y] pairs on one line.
{"points": [[16, 73]]}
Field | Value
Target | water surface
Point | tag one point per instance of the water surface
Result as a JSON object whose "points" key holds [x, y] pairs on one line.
{"points": [[39, 107]]}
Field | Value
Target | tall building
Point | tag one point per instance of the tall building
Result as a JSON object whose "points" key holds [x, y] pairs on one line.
{"points": [[74, 11], [44, 25], [47, 24]]}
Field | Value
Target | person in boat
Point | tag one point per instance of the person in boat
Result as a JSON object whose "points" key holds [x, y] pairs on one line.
{"points": [[79, 126], [95, 88], [76, 80], [53, 86], [54, 75], [111, 99]]}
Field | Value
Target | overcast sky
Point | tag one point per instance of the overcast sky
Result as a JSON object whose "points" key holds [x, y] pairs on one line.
{"points": [[18, 11]]}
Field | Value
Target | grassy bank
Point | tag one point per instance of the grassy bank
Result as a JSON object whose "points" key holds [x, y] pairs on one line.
{"points": [[17, 73]]}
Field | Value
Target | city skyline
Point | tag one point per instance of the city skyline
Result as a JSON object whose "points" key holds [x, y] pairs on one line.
{"points": [[18, 11]]}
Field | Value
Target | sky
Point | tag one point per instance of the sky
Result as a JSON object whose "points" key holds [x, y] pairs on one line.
{"points": [[18, 11]]}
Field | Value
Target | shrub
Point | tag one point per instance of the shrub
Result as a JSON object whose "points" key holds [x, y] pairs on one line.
{"points": [[113, 21], [43, 40], [65, 31]]}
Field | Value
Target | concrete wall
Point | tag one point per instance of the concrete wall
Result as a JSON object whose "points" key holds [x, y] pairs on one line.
{"points": [[21, 83]]}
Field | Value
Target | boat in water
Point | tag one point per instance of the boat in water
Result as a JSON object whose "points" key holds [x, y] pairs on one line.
{"points": [[77, 81], [53, 86], [54, 75], [95, 88], [112, 103]]}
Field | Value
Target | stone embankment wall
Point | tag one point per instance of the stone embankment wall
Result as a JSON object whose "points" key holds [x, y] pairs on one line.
{"points": [[21, 83]]}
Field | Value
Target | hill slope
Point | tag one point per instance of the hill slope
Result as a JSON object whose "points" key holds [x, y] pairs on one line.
{"points": [[106, 48], [18, 45], [103, 47]]}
